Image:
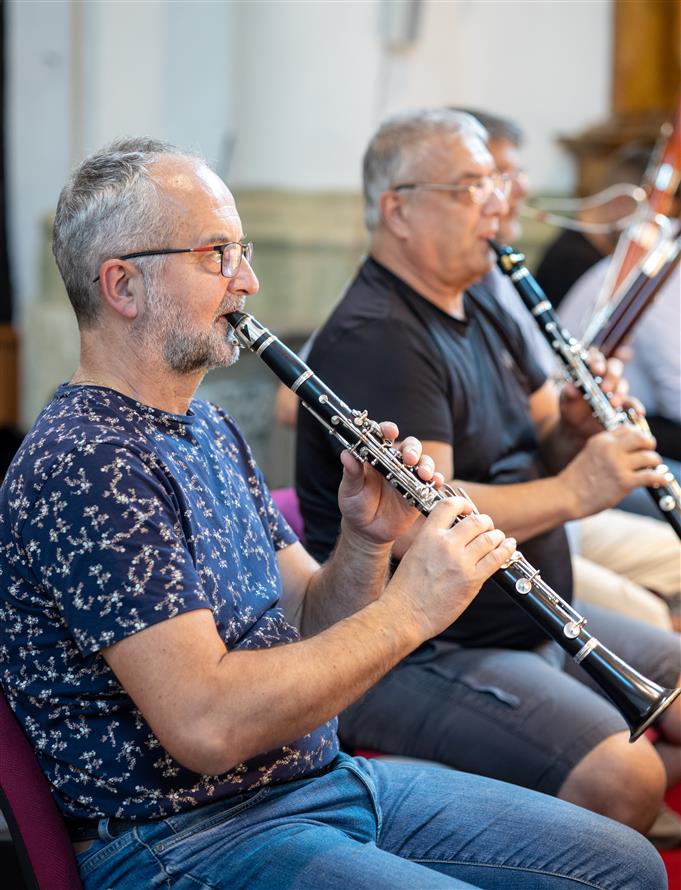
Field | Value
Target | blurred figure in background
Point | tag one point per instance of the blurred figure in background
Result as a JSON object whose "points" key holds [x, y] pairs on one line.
{"points": [[572, 252], [10, 440], [618, 558]]}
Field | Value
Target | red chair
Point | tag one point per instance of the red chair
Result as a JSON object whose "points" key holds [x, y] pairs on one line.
{"points": [[287, 501], [43, 848]]}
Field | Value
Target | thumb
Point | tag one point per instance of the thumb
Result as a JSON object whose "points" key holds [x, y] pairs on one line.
{"points": [[353, 474]]}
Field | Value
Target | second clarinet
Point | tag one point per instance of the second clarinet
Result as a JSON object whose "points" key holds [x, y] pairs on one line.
{"points": [[640, 701], [667, 495]]}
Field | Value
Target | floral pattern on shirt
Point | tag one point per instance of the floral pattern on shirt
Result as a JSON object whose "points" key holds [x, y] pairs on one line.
{"points": [[115, 516]]}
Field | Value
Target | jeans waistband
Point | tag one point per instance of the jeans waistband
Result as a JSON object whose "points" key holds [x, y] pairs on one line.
{"points": [[83, 829], [88, 829]]}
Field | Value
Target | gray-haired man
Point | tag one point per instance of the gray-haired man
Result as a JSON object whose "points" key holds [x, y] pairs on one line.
{"points": [[415, 340], [173, 653]]}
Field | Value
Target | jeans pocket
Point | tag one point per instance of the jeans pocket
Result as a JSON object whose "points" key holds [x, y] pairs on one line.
{"points": [[199, 824]]}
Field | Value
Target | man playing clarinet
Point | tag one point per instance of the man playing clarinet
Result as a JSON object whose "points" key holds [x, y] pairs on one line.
{"points": [[414, 340], [175, 656]]}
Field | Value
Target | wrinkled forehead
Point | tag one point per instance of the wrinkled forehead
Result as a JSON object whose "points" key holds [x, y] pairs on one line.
{"points": [[448, 157], [196, 196]]}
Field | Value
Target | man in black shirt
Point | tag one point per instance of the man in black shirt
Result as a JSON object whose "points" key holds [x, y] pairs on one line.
{"points": [[412, 340]]}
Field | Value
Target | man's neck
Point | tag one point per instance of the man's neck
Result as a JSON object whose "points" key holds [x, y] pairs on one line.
{"points": [[142, 376], [448, 299]]}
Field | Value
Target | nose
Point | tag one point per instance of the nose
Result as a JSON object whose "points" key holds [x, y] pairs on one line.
{"points": [[519, 186], [245, 282], [496, 204]]}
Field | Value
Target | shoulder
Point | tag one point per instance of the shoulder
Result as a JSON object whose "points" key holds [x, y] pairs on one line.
{"points": [[81, 444], [74, 423], [581, 298], [372, 315]]}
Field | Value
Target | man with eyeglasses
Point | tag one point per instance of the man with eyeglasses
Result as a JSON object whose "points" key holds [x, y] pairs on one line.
{"points": [[618, 557], [415, 338], [172, 652]]}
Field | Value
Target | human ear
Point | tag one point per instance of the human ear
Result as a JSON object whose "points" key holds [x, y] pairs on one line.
{"points": [[395, 213], [121, 286]]}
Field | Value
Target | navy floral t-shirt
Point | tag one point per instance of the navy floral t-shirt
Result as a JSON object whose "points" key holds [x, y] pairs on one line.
{"points": [[115, 516]]}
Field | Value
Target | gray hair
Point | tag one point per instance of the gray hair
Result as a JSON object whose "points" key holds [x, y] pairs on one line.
{"points": [[401, 142], [111, 206], [497, 127]]}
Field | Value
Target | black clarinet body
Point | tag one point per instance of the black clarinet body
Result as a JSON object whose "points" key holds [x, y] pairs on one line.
{"points": [[639, 700], [667, 495]]}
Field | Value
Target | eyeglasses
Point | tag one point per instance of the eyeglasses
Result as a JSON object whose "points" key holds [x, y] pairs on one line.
{"points": [[480, 191], [230, 253]]}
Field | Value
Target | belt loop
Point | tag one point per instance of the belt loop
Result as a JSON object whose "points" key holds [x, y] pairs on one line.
{"points": [[103, 829]]}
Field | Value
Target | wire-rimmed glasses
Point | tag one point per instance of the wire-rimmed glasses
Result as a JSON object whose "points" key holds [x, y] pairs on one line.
{"points": [[480, 191]]}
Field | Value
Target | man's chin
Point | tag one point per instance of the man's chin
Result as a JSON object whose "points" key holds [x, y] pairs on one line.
{"points": [[228, 356]]}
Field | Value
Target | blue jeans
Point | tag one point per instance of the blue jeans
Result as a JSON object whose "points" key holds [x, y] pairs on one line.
{"points": [[374, 824]]}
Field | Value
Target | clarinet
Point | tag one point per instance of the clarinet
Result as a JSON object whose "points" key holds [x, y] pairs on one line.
{"points": [[639, 700], [667, 495]]}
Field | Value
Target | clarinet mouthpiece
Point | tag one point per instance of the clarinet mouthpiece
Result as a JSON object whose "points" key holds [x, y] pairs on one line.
{"points": [[235, 317]]}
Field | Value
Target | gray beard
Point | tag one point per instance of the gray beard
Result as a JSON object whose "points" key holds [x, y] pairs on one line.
{"points": [[186, 354], [164, 328]]}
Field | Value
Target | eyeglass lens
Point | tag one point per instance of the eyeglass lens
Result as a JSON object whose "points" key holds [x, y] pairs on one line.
{"points": [[482, 190], [232, 255]]}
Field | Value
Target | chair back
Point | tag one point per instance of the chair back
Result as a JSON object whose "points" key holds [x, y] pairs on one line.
{"points": [[287, 501], [43, 848]]}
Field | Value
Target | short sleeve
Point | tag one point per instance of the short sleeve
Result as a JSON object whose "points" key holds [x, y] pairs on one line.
{"points": [[105, 543]]}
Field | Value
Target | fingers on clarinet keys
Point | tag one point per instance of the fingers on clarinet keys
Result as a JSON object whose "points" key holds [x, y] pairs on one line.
{"points": [[389, 431], [476, 532]]}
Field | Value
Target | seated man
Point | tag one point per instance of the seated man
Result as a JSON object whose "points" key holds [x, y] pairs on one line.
{"points": [[617, 556], [489, 695], [618, 568], [172, 652]]}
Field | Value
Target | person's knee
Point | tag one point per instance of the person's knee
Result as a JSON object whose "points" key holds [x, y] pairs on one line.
{"points": [[623, 781]]}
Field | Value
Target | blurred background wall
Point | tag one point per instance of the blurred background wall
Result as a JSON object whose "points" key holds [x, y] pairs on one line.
{"points": [[282, 97]]}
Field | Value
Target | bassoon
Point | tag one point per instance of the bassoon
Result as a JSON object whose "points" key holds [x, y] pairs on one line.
{"points": [[615, 322]]}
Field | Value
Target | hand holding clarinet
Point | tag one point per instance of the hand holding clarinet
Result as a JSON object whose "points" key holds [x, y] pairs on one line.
{"points": [[640, 701], [624, 458]]}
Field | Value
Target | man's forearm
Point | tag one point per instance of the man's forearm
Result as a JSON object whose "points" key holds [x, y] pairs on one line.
{"points": [[212, 709], [559, 445], [354, 576], [524, 509]]}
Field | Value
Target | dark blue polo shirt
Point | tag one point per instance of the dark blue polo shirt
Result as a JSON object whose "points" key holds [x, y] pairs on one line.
{"points": [[115, 516]]}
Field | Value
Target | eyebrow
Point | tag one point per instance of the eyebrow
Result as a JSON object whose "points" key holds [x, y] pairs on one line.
{"points": [[220, 238], [471, 176]]}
